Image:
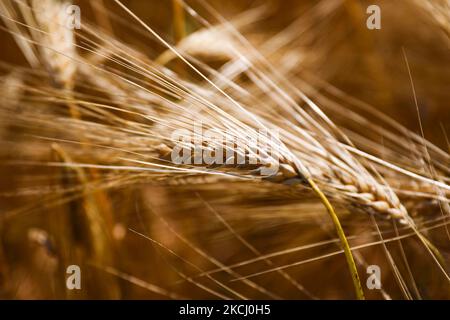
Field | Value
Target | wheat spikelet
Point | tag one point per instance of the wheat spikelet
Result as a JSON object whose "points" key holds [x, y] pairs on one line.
{"points": [[57, 40], [439, 11]]}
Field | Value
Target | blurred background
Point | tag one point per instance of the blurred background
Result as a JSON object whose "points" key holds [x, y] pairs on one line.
{"points": [[327, 43]]}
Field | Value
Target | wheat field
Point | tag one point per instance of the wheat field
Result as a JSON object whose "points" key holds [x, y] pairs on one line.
{"points": [[314, 149]]}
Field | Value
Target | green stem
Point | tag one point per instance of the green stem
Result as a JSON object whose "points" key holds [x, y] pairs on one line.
{"points": [[348, 254]]}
